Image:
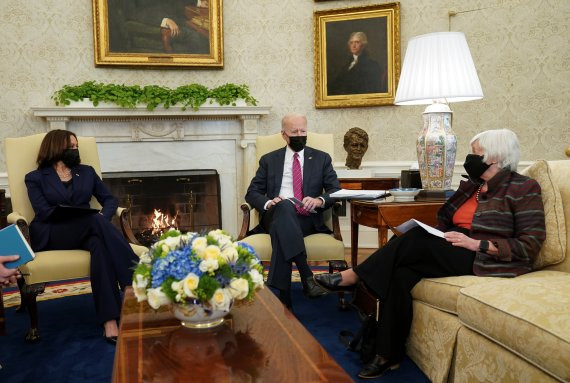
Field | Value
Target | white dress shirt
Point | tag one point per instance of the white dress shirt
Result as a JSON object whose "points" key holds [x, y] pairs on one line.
{"points": [[286, 190], [287, 180]]}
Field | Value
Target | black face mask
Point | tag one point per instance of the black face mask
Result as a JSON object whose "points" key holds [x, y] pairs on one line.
{"points": [[475, 166], [71, 157], [297, 143]]}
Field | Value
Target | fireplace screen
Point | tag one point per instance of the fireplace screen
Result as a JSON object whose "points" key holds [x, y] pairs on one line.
{"points": [[188, 200]]}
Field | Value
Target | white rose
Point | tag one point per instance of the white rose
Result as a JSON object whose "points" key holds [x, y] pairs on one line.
{"points": [[239, 288], [145, 258], [140, 293], [172, 242], [221, 300], [189, 284], [140, 281], [199, 245], [211, 252], [256, 278], [209, 265], [157, 298], [230, 254]]}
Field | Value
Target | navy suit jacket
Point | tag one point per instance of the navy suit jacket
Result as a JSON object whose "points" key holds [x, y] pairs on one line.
{"points": [[319, 180], [46, 191]]}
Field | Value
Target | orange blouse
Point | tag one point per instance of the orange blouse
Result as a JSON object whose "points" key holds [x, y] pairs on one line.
{"points": [[464, 214]]}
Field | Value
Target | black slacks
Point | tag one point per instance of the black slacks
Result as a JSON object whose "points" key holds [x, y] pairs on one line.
{"points": [[287, 230], [393, 270], [112, 259]]}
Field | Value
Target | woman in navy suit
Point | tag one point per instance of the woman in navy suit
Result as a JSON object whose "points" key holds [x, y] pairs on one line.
{"points": [[61, 180]]}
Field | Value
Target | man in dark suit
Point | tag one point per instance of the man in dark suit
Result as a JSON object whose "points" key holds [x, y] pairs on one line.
{"points": [[281, 175], [360, 73]]}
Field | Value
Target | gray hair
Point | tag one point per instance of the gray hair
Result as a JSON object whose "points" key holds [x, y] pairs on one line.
{"points": [[360, 36], [500, 145], [290, 116]]}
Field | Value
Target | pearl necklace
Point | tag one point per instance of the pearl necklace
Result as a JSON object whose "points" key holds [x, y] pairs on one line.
{"points": [[478, 192]]}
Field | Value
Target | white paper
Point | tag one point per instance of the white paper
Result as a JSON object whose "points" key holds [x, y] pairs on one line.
{"points": [[358, 194], [411, 223]]}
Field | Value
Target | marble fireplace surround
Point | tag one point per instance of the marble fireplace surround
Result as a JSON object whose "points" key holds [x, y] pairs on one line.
{"points": [[214, 137]]}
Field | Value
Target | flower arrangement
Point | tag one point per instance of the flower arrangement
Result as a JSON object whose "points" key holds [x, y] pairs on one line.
{"points": [[211, 270]]}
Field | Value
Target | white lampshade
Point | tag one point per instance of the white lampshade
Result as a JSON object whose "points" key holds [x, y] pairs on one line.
{"points": [[438, 66]]}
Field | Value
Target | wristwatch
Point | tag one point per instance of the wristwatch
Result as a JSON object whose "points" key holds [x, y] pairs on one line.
{"points": [[483, 245]]}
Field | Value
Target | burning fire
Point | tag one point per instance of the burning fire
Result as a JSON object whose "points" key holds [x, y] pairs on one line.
{"points": [[162, 221]]}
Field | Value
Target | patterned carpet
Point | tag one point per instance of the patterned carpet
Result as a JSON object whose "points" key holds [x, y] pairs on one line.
{"points": [[83, 286]]}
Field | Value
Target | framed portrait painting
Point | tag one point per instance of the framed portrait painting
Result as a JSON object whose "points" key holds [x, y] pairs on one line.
{"points": [[158, 33], [357, 56]]}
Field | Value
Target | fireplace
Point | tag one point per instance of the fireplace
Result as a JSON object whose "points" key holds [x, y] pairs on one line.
{"points": [[188, 200]]}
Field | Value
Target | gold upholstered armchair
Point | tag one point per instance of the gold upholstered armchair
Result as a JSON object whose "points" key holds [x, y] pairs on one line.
{"points": [[320, 247], [55, 265]]}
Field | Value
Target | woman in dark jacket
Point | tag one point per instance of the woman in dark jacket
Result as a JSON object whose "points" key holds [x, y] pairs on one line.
{"points": [[61, 180], [494, 226]]}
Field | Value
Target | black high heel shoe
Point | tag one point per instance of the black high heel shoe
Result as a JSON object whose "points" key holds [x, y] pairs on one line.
{"points": [[331, 282], [375, 368]]}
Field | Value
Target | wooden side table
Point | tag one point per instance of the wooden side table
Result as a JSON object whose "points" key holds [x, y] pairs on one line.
{"points": [[369, 183], [387, 215]]}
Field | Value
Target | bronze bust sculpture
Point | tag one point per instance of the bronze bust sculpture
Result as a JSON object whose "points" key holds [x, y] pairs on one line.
{"points": [[355, 144]]}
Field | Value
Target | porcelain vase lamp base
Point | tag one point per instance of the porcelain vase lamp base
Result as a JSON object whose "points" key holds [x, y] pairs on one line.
{"points": [[436, 147]]}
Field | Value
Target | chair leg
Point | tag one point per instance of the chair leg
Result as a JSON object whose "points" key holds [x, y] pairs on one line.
{"points": [[30, 292], [336, 266], [22, 307]]}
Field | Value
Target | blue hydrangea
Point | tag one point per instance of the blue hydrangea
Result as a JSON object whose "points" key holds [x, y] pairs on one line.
{"points": [[176, 264], [239, 268]]}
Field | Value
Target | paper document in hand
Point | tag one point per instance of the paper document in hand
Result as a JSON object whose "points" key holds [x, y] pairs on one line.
{"points": [[295, 201], [409, 224], [358, 194]]}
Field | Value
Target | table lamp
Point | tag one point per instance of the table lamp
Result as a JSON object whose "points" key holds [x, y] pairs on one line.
{"points": [[437, 69]]}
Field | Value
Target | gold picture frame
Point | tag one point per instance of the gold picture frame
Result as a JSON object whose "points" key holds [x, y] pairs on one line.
{"points": [[369, 80], [164, 33]]}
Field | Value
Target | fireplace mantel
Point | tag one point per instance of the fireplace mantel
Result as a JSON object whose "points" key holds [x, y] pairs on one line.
{"points": [[213, 137]]}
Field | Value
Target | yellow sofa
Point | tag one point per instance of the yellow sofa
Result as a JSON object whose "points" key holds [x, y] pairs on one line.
{"points": [[485, 329]]}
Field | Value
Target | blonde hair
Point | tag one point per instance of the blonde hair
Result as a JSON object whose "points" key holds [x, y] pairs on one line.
{"points": [[501, 146]]}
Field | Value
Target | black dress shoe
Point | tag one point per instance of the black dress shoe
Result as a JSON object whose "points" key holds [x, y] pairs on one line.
{"points": [[311, 289], [331, 282], [375, 368]]}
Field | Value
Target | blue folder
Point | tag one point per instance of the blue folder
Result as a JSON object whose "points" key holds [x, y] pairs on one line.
{"points": [[12, 242]]}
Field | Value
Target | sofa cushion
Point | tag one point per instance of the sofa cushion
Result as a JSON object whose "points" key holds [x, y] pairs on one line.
{"points": [[529, 315], [442, 293], [553, 249]]}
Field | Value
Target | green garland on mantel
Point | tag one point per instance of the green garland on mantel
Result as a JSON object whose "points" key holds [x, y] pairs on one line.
{"points": [[129, 96]]}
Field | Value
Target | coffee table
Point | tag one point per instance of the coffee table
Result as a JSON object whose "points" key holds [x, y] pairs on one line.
{"points": [[259, 341]]}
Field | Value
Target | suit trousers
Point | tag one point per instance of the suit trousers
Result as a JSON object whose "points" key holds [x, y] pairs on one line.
{"points": [[112, 259], [393, 270], [287, 230]]}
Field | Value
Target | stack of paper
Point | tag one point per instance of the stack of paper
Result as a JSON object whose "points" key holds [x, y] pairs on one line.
{"points": [[358, 194]]}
